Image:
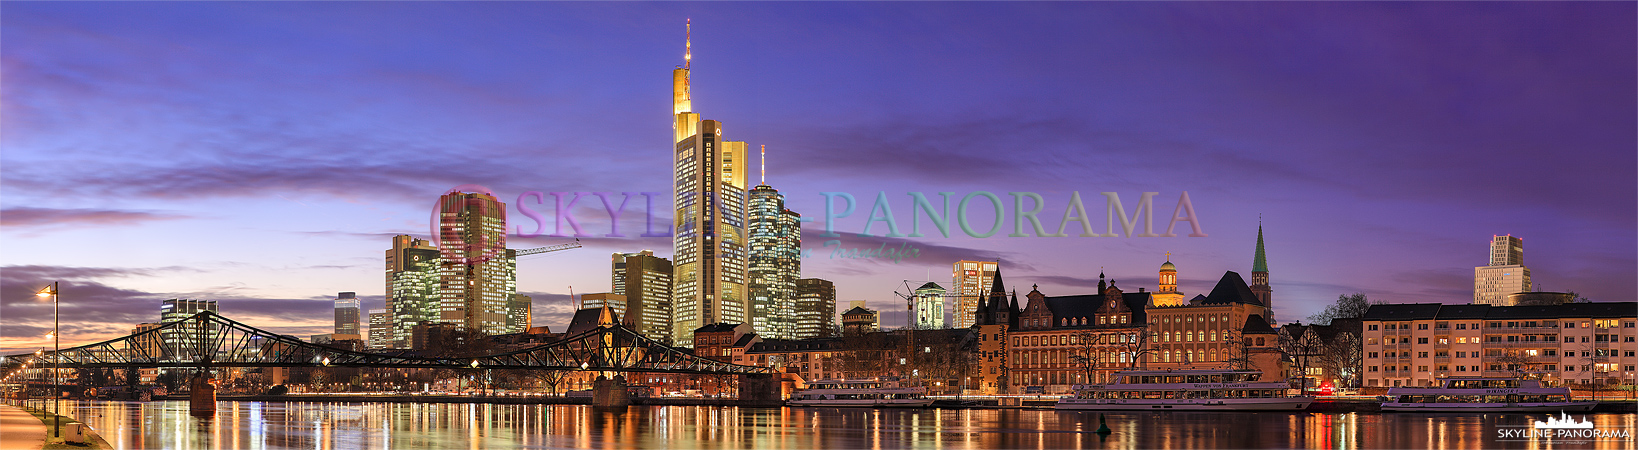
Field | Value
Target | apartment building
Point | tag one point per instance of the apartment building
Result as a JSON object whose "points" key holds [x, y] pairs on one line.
{"points": [[1580, 344]]}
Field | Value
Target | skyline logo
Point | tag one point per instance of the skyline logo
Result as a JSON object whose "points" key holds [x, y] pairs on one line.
{"points": [[1563, 423]]}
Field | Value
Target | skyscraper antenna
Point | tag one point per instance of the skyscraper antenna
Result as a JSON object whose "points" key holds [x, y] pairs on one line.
{"points": [[688, 46], [764, 163]]}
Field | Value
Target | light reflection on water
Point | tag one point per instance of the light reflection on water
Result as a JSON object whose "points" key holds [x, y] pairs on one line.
{"points": [[323, 426]]}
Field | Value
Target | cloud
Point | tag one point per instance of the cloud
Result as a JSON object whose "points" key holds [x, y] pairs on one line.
{"points": [[855, 249], [29, 216], [551, 310], [93, 310]]}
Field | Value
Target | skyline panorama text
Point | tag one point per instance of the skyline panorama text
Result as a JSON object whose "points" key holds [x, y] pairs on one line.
{"points": [[1025, 213]]}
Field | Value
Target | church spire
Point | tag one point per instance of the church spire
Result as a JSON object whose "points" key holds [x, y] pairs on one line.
{"points": [[1261, 262], [1259, 276]]}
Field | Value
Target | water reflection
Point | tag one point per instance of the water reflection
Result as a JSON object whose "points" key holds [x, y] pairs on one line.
{"points": [[255, 425]]}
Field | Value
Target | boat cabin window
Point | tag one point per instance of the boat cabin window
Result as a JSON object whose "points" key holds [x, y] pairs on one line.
{"points": [[1241, 377], [1483, 384]]}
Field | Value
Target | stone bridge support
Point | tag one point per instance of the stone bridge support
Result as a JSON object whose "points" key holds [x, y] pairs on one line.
{"points": [[202, 394], [760, 389], [607, 393]]}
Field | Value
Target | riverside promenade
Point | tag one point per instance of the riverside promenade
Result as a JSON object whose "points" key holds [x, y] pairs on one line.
{"points": [[20, 430]]}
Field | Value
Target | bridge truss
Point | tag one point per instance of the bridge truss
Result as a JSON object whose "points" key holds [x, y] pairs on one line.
{"points": [[210, 340]]}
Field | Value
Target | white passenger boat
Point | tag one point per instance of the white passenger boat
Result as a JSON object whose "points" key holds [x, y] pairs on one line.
{"points": [[1480, 394], [1186, 390], [861, 393]]}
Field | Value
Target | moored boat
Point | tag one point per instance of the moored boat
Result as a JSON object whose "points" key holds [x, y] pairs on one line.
{"points": [[1186, 390], [1480, 394], [861, 393]]}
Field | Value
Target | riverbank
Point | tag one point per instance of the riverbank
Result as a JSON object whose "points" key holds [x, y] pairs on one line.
{"points": [[52, 439]]}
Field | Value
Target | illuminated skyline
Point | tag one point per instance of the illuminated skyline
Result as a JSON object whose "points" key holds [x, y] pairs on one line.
{"points": [[262, 155]]}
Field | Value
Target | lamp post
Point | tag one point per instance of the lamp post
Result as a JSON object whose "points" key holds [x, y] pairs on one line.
{"points": [[56, 360]]}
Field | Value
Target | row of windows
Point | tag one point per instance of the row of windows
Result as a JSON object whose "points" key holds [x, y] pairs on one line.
{"points": [[1510, 339], [1019, 341], [1603, 352], [1598, 323], [1194, 318], [1602, 367]]}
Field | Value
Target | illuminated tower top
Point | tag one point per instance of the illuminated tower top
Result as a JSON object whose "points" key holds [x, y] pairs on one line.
{"points": [[681, 99]]}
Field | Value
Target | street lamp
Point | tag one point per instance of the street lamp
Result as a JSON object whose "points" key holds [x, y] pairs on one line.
{"points": [[56, 360]]}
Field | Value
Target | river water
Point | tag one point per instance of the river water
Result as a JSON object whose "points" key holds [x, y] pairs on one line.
{"points": [[303, 425]]}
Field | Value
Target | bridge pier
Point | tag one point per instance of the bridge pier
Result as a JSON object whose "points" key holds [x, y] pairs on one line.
{"points": [[202, 395], [760, 389], [607, 393]]}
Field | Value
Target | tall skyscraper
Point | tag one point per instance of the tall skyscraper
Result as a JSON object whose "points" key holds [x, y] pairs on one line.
{"points": [[709, 238], [347, 313], [189, 339], [970, 280], [616, 302], [927, 307], [775, 263], [146, 344], [519, 312], [645, 281], [1259, 277], [479, 274], [413, 268], [1505, 275], [380, 328], [1506, 250], [815, 308]]}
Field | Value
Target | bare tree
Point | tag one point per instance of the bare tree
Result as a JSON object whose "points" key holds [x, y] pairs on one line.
{"points": [[864, 355], [939, 356], [1343, 357], [1238, 350], [1302, 350], [1348, 306], [1136, 346], [1520, 365], [551, 379], [1084, 352], [318, 377], [133, 376]]}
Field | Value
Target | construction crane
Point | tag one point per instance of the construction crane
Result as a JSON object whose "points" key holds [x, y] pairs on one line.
{"points": [[549, 249]]}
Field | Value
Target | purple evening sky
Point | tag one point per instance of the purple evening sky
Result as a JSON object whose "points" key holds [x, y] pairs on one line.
{"points": [[262, 154]]}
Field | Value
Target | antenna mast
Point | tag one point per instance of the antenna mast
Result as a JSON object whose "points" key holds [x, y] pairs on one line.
{"points": [[688, 46], [764, 164]]}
